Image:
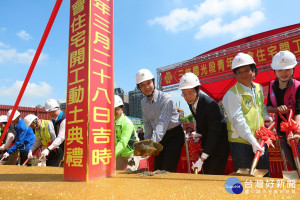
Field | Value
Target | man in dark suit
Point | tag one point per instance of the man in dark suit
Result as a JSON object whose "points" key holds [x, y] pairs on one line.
{"points": [[210, 122]]}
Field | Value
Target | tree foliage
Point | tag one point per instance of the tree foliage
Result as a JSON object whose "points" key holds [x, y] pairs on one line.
{"points": [[189, 118]]}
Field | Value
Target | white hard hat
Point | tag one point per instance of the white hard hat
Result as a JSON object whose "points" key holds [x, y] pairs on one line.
{"points": [[51, 105], [29, 119], [3, 118], [118, 101], [143, 75], [188, 80], [17, 114], [242, 59], [284, 60]]}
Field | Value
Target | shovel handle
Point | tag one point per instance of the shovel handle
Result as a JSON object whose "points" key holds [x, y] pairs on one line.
{"points": [[272, 125], [26, 161], [42, 156], [256, 158], [2, 159], [196, 170], [290, 114], [294, 146], [258, 153]]}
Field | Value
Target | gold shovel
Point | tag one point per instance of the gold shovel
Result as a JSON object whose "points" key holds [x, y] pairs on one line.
{"points": [[285, 126], [266, 135], [147, 148], [294, 174]]}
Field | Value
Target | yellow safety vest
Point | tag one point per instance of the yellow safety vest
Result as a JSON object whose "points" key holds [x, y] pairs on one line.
{"points": [[43, 133], [253, 113]]}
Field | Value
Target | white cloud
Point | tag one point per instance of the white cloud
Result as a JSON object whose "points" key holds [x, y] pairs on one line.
{"points": [[181, 19], [33, 93], [24, 35], [238, 28], [3, 29], [177, 20], [12, 55], [3, 45], [174, 2], [7, 55], [221, 7], [177, 2]]}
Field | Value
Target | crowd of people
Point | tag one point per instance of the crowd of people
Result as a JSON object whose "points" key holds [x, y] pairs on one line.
{"points": [[222, 133], [232, 131], [25, 136]]}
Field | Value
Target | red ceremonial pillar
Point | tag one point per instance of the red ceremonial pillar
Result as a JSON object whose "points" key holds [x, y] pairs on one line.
{"points": [[89, 143]]}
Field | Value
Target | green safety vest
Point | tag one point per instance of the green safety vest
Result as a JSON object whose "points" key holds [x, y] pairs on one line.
{"points": [[43, 133], [125, 136], [253, 113]]}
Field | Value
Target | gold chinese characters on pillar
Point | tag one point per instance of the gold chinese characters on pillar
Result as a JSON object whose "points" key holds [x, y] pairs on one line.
{"points": [[89, 145]]}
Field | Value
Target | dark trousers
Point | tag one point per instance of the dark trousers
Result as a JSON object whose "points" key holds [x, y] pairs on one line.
{"points": [[287, 150], [172, 143], [23, 157], [215, 164], [54, 157], [242, 156]]}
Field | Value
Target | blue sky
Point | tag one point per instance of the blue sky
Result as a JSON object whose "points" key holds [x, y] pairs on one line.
{"points": [[148, 34]]}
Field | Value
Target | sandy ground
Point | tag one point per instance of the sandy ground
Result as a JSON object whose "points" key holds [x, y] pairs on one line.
{"points": [[17, 182]]}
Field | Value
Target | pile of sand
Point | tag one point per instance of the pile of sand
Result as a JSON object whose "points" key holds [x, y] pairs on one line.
{"points": [[17, 182]]}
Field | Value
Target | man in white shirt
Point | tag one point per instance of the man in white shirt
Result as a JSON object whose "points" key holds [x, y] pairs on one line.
{"points": [[59, 123], [246, 112]]}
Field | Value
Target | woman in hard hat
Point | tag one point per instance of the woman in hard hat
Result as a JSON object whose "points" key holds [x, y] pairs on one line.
{"points": [[9, 140], [245, 110], [44, 135], [284, 94], [59, 123], [210, 122], [161, 122], [24, 137], [125, 137]]}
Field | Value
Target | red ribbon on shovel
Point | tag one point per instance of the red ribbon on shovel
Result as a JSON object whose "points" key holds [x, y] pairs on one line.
{"points": [[289, 126], [266, 136]]}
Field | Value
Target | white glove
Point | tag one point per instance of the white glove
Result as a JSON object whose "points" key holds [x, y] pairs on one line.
{"points": [[29, 154], [45, 152], [256, 147], [5, 155], [268, 121], [198, 165], [196, 137]]}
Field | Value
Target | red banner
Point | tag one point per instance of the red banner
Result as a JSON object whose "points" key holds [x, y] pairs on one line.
{"points": [[262, 55], [101, 115], [89, 144]]}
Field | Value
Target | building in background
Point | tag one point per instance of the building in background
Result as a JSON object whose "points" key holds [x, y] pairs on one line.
{"points": [[137, 122], [135, 108], [62, 105]]}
